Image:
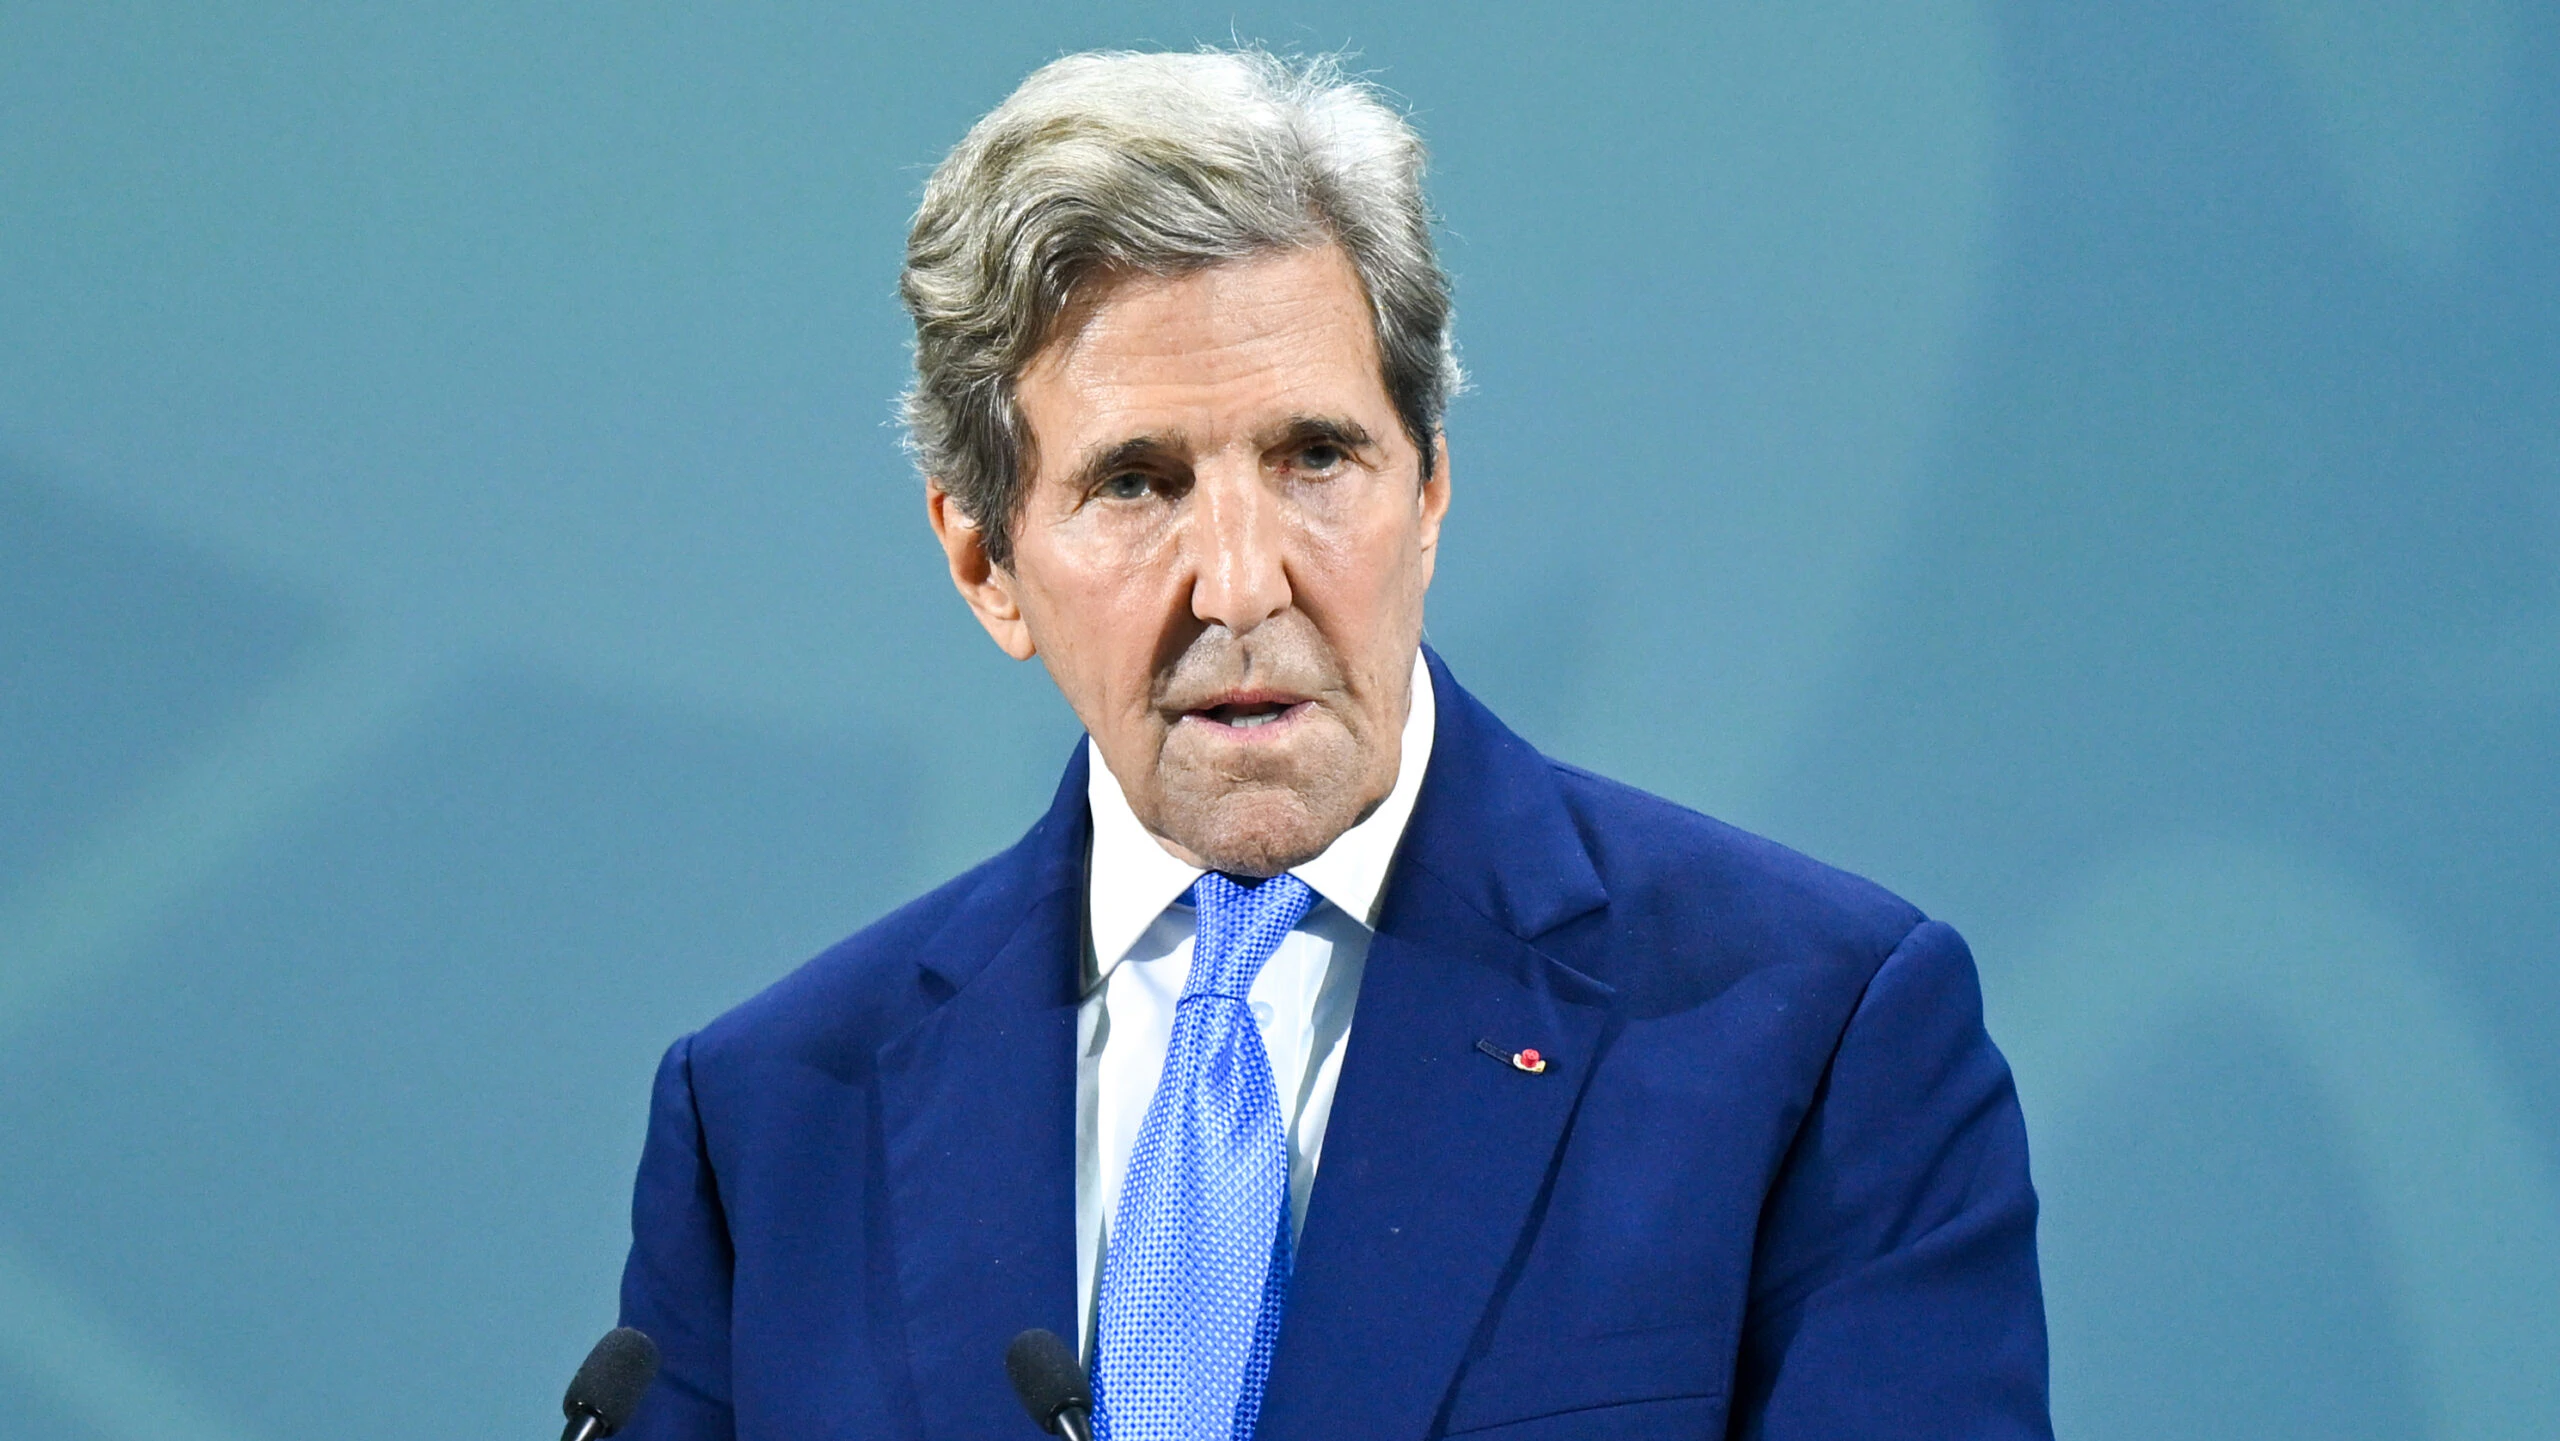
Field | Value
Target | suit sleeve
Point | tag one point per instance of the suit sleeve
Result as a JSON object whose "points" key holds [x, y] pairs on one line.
{"points": [[1894, 1286], [675, 1286]]}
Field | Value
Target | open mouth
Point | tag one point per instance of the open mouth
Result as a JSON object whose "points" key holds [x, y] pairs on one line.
{"points": [[1248, 715]]}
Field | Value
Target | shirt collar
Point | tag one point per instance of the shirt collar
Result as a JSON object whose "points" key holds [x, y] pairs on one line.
{"points": [[1133, 878]]}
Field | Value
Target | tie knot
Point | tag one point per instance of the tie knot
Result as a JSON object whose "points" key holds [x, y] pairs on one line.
{"points": [[1241, 924]]}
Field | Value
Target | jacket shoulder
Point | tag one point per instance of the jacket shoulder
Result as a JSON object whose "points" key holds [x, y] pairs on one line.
{"points": [[843, 1004], [840, 1007], [1695, 903]]}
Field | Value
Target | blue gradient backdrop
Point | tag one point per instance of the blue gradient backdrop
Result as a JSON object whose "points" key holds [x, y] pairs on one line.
{"points": [[464, 620]]}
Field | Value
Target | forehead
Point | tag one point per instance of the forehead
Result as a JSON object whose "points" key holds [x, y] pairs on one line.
{"points": [[1211, 355]]}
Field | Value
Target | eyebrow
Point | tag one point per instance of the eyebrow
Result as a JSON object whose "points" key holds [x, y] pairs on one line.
{"points": [[1107, 460], [1342, 430]]}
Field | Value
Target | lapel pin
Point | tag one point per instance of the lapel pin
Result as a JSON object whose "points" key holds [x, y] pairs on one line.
{"points": [[1523, 1060]]}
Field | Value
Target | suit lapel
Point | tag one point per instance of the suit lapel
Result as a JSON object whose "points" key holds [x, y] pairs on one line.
{"points": [[1436, 1155], [978, 1119]]}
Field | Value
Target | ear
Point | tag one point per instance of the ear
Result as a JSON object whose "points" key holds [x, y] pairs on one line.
{"points": [[1435, 503], [986, 586]]}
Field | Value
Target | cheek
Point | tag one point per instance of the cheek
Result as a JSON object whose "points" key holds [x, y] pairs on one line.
{"points": [[1370, 554], [1096, 622]]}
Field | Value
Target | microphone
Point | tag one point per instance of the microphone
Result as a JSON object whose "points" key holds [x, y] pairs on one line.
{"points": [[607, 1389], [1051, 1383]]}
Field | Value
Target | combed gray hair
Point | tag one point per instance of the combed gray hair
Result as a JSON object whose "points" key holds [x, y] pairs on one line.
{"points": [[1111, 163]]}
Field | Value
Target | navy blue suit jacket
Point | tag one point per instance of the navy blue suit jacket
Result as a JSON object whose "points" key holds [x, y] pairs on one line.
{"points": [[1773, 1182]]}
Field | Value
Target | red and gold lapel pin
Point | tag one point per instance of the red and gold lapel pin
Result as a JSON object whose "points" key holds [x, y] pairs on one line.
{"points": [[1521, 1060]]}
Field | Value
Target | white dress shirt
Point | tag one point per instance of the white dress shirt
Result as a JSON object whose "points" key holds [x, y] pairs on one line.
{"points": [[1140, 936]]}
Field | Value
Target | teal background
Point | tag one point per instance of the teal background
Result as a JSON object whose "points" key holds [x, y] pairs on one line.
{"points": [[465, 620]]}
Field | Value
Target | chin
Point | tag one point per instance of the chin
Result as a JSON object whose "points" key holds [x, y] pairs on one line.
{"points": [[1254, 810], [1263, 833]]}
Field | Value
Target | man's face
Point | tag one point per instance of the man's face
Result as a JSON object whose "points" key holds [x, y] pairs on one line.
{"points": [[1222, 552]]}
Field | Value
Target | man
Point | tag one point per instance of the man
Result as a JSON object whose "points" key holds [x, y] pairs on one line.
{"points": [[1326, 1060]]}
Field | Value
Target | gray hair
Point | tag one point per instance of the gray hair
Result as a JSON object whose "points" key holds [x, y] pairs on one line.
{"points": [[1111, 163]]}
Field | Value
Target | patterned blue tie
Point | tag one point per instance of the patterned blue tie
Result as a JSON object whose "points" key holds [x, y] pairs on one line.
{"points": [[1198, 1269]]}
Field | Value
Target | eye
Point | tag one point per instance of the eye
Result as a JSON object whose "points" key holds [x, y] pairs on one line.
{"points": [[1322, 456], [1128, 485]]}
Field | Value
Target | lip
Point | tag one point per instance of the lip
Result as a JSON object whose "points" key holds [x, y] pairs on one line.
{"points": [[1284, 709]]}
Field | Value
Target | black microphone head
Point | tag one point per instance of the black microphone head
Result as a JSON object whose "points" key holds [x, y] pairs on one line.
{"points": [[616, 1374], [1047, 1376]]}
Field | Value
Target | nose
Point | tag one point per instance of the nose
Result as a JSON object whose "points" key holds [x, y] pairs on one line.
{"points": [[1240, 577]]}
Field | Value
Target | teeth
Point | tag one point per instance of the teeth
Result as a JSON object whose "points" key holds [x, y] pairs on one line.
{"points": [[1262, 718]]}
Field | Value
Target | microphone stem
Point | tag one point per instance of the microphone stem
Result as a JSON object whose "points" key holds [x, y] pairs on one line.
{"points": [[1075, 1425], [585, 1428]]}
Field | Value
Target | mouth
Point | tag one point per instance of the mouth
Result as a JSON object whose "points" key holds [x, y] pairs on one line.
{"points": [[1248, 716]]}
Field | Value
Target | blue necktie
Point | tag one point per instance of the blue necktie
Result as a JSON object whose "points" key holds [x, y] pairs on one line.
{"points": [[1198, 1268]]}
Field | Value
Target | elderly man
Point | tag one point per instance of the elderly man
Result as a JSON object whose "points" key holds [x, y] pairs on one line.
{"points": [[1326, 1059]]}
